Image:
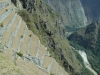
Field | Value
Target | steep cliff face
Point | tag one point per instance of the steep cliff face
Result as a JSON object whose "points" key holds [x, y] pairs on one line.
{"points": [[49, 27], [72, 12], [92, 10]]}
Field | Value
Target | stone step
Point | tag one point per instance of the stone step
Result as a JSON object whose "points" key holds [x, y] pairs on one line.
{"points": [[60, 71], [5, 23], [8, 19], [1, 1], [38, 49], [30, 34], [18, 37], [11, 22], [8, 33], [34, 45], [65, 73], [16, 41], [30, 42], [4, 4], [8, 27], [42, 51], [21, 34], [2, 11], [6, 14], [54, 68], [18, 26], [48, 62], [24, 46], [30, 68]]}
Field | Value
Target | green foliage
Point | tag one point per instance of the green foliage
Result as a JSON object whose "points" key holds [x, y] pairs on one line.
{"points": [[85, 71], [29, 19], [76, 46], [1, 24], [30, 35], [21, 36], [6, 9], [94, 61], [78, 57], [71, 28], [51, 74], [20, 54], [35, 23]]}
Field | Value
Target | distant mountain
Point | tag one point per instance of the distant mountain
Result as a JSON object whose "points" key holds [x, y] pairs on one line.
{"points": [[76, 13], [72, 11], [92, 9]]}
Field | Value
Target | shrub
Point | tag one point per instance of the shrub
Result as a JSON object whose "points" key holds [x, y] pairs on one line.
{"points": [[1, 24], [51, 74], [6, 9], [21, 36], [20, 54], [30, 35]]}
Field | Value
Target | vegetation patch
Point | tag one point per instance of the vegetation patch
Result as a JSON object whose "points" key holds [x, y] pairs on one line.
{"points": [[20, 54], [21, 36], [1, 24], [51, 74]]}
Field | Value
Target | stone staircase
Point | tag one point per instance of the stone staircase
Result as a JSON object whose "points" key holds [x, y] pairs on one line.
{"points": [[16, 37]]}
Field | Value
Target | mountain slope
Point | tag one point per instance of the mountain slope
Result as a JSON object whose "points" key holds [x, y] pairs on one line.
{"points": [[92, 10], [47, 24], [76, 13], [89, 39], [72, 12], [21, 51], [49, 52]]}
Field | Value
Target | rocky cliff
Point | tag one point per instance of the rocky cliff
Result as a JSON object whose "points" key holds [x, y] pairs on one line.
{"points": [[72, 12], [76, 13]]}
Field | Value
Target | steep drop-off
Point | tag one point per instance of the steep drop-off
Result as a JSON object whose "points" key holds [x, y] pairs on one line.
{"points": [[92, 10], [76, 13], [72, 12]]}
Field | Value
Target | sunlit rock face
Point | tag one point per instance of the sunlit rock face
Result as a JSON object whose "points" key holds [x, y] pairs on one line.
{"points": [[72, 11], [76, 13], [92, 10]]}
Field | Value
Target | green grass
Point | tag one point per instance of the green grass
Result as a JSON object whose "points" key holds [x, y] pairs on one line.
{"points": [[7, 67], [1, 24], [51, 74], [21, 36], [20, 54], [93, 59]]}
